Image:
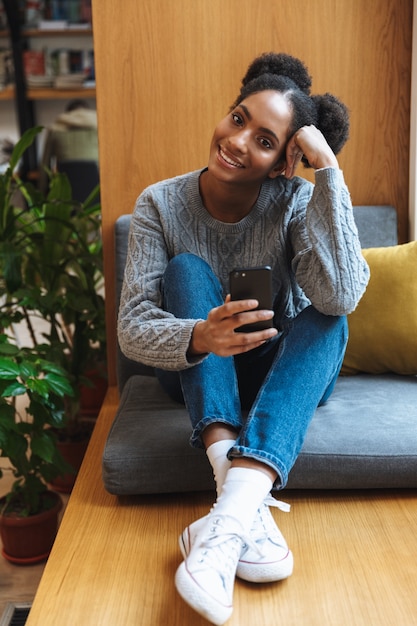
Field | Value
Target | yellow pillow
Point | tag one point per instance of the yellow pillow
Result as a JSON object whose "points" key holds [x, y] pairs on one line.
{"points": [[383, 328]]}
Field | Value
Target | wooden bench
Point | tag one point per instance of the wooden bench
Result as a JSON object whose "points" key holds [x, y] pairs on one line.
{"points": [[114, 559]]}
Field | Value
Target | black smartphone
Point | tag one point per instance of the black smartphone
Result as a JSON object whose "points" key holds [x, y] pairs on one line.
{"points": [[253, 282]]}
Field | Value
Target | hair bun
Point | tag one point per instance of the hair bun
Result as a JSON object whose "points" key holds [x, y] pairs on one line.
{"points": [[332, 120], [288, 75], [280, 64]]}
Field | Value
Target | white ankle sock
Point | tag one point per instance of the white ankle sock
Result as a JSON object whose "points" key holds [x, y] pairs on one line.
{"points": [[217, 455], [242, 493]]}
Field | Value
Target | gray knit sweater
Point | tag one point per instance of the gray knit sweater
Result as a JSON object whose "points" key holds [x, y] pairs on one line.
{"points": [[305, 232]]}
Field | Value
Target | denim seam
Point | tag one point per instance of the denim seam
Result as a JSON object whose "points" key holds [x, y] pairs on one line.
{"points": [[195, 439], [274, 461], [241, 451]]}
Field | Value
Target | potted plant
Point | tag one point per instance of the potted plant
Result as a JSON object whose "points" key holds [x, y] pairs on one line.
{"points": [[51, 266], [29, 511]]}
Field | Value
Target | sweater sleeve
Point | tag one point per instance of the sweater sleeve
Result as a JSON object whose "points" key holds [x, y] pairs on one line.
{"points": [[146, 332], [327, 261]]}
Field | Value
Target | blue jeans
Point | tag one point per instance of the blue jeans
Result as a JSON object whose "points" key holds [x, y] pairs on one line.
{"points": [[268, 395]]}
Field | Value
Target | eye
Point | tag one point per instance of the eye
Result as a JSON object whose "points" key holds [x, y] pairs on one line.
{"points": [[265, 143], [237, 119]]}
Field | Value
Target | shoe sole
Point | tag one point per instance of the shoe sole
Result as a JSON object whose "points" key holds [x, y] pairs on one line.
{"points": [[200, 600], [266, 572], [249, 571]]}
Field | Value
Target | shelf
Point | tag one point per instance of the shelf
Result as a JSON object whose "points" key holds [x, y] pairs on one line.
{"points": [[50, 94], [60, 94], [7, 93], [58, 32], [46, 32]]}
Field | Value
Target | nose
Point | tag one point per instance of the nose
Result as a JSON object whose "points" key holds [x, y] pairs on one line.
{"points": [[239, 141]]}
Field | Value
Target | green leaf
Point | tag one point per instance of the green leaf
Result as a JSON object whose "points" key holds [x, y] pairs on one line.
{"points": [[7, 348], [8, 368], [91, 197], [40, 410], [59, 385], [43, 446], [39, 386], [11, 265], [7, 414], [60, 189], [28, 369], [16, 449], [23, 144], [58, 418], [14, 389], [52, 368]]}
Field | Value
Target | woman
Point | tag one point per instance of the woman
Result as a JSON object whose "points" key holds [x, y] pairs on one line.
{"points": [[250, 395]]}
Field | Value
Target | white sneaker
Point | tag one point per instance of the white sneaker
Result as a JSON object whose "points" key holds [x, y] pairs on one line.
{"points": [[272, 560], [266, 558], [205, 579]]}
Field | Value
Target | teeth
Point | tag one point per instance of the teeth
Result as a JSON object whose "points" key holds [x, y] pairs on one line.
{"points": [[228, 160]]}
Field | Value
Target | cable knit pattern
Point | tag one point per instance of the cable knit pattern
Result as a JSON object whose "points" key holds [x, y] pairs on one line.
{"points": [[305, 232]]}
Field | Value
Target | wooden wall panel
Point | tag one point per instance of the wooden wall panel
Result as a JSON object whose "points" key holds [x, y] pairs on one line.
{"points": [[167, 71]]}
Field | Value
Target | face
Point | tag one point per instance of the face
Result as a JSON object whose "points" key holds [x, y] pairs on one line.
{"points": [[249, 144]]}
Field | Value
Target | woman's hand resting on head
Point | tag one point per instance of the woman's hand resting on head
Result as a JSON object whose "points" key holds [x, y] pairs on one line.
{"points": [[217, 333], [308, 141]]}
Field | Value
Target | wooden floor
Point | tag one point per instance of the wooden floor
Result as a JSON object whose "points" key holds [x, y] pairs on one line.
{"points": [[114, 560]]}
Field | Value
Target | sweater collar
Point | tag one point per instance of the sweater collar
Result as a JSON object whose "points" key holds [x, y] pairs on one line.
{"points": [[236, 227]]}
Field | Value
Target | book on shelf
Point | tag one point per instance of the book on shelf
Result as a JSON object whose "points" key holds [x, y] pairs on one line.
{"points": [[34, 62], [56, 14], [62, 63], [52, 24], [48, 25]]}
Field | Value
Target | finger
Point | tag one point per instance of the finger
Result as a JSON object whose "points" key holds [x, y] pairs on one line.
{"points": [[293, 163], [246, 348], [242, 319], [232, 307], [250, 341], [228, 310], [294, 154]]}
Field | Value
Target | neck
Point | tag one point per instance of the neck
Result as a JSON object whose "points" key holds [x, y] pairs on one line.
{"points": [[225, 202]]}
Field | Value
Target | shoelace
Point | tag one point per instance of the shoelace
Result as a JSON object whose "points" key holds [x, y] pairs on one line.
{"points": [[218, 539], [264, 524], [279, 504]]}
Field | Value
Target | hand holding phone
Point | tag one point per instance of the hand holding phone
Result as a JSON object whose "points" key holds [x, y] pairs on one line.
{"points": [[253, 283]]}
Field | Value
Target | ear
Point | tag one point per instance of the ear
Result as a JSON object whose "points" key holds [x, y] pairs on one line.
{"points": [[279, 169]]}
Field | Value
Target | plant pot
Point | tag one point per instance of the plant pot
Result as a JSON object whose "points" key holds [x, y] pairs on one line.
{"points": [[73, 452], [91, 398], [28, 540]]}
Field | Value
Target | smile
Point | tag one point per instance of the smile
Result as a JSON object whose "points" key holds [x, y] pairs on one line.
{"points": [[228, 160]]}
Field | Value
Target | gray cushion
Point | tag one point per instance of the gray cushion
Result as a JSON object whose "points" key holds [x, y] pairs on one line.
{"points": [[147, 450], [377, 225], [364, 437]]}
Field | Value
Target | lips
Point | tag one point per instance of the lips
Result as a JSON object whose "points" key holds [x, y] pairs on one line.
{"points": [[229, 160]]}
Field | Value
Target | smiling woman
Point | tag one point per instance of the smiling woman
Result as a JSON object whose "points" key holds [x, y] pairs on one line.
{"points": [[247, 209]]}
